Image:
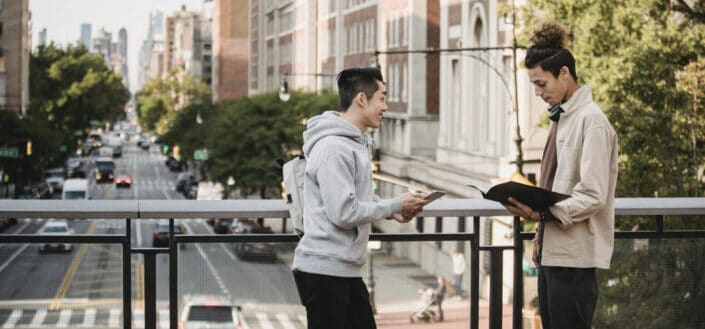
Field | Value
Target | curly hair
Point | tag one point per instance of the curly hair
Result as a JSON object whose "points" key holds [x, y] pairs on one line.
{"points": [[548, 50]]}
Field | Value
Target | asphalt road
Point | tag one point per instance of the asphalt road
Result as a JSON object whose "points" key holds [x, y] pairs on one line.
{"points": [[84, 287]]}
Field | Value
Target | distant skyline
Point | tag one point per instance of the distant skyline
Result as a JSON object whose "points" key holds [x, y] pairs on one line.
{"points": [[63, 22]]}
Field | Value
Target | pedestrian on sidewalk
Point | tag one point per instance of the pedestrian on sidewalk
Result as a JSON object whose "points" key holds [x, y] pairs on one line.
{"points": [[340, 205], [574, 236], [439, 294], [458, 271]]}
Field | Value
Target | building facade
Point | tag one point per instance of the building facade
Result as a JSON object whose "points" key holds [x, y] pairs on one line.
{"points": [[231, 49], [188, 45], [86, 36], [15, 46]]}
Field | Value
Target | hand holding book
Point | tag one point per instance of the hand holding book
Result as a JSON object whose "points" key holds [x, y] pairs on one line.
{"points": [[535, 197]]}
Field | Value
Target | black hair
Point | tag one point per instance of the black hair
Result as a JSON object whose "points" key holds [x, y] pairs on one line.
{"points": [[548, 50], [356, 80]]}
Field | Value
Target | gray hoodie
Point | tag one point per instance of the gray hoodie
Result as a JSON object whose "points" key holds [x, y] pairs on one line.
{"points": [[339, 202]]}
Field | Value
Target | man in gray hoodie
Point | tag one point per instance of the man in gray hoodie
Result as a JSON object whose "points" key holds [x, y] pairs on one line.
{"points": [[340, 205]]}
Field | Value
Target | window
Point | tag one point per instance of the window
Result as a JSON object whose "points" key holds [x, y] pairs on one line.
{"points": [[405, 88]]}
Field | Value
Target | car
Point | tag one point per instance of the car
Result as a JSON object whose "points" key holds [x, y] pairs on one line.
{"points": [[160, 237], [104, 169], [76, 189], [42, 190], [264, 251], [210, 311], [222, 225], [184, 180], [174, 164], [123, 181], [56, 227], [55, 178]]}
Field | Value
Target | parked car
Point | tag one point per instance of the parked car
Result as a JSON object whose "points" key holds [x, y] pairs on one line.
{"points": [[42, 190], [265, 251], [184, 180], [173, 164], [210, 311], [160, 237], [56, 227], [123, 181], [222, 225]]}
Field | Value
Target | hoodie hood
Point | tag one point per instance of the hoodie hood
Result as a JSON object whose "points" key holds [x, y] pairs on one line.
{"points": [[330, 123]]}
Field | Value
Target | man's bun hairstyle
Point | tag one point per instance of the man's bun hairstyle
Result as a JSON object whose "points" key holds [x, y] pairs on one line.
{"points": [[548, 50]]}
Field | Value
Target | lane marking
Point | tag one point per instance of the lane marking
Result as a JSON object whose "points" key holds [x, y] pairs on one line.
{"points": [[264, 321], [211, 268], [71, 272], [285, 321], [164, 319], [38, 318], [114, 318], [14, 255], [64, 318], [12, 320], [89, 317]]}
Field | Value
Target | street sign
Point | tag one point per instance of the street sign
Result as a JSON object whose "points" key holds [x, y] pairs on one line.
{"points": [[9, 152], [200, 155]]}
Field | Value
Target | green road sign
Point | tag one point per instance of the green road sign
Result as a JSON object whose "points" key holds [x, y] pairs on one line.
{"points": [[200, 155], [9, 152]]}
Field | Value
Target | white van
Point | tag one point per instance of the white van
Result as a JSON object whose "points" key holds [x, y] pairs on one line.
{"points": [[75, 189]]}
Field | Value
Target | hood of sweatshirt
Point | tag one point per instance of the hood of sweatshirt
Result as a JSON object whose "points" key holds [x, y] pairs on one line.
{"points": [[330, 123]]}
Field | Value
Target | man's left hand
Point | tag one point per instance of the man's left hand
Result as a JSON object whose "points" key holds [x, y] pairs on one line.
{"points": [[519, 209]]}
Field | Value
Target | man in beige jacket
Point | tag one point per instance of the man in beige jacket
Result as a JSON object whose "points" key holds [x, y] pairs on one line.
{"points": [[575, 236]]}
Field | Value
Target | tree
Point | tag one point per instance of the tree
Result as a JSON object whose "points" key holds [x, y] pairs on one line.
{"points": [[644, 61], [247, 134], [71, 87]]}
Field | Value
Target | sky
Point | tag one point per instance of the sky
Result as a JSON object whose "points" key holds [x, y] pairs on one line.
{"points": [[63, 20]]}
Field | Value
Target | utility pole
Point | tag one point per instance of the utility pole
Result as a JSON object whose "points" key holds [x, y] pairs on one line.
{"points": [[518, 140]]}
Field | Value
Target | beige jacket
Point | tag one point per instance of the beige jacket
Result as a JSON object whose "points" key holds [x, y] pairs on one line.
{"points": [[586, 146]]}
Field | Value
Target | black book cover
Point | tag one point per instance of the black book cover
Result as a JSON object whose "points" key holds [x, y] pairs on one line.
{"points": [[535, 197]]}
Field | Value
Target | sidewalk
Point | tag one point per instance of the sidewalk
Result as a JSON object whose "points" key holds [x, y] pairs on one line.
{"points": [[397, 283]]}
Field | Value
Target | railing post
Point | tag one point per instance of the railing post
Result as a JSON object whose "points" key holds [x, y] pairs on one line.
{"points": [[127, 276], [518, 293], [173, 277], [150, 293], [475, 274], [496, 258]]}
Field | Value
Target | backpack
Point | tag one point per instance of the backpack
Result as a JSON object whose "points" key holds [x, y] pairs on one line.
{"points": [[293, 172]]}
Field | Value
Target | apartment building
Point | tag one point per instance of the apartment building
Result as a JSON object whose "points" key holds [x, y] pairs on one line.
{"points": [[231, 49], [188, 44], [14, 55]]}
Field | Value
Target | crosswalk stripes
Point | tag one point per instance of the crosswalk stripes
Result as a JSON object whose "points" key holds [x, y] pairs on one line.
{"points": [[112, 318], [12, 319]]}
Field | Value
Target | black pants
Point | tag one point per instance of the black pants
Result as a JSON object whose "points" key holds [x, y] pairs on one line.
{"points": [[334, 302], [567, 297]]}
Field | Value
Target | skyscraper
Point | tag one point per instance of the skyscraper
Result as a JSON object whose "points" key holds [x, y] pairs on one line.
{"points": [[122, 52], [86, 35]]}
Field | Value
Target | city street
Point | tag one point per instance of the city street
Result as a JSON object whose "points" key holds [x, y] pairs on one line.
{"points": [[84, 286]]}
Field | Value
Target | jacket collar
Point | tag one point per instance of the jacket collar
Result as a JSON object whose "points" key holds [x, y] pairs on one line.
{"points": [[580, 98]]}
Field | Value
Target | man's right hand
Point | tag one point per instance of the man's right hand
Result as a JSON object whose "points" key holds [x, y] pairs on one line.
{"points": [[412, 204]]}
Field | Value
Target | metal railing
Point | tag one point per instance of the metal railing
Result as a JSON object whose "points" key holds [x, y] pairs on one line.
{"points": [[131, 210]]}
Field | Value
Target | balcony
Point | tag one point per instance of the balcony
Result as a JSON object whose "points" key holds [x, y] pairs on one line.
{"points": [[113, 279]]}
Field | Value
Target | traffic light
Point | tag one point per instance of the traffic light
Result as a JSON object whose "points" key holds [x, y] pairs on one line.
{"points": [[29, 148], [375, 171]]}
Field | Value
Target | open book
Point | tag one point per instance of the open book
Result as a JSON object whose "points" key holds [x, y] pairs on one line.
{"points": [[535, 197]]}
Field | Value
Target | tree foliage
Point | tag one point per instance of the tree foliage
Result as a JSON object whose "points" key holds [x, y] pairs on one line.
{"points": [[644, 59], [246, 135], [71, 87]]}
